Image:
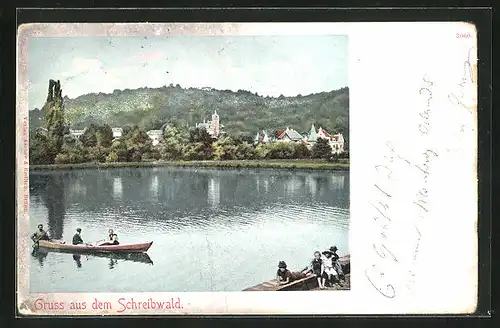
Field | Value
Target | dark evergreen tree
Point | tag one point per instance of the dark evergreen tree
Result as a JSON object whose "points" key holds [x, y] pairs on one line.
{"points": [[322, 149]]}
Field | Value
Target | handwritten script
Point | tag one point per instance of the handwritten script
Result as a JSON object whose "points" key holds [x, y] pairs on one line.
{"points": [[458, 96], [411, 167], [394, 168]]}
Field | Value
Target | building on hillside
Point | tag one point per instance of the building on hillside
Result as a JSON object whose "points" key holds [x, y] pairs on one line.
{"points": [[336, 141], [117, 133], [289, 135], [76, 133], [155, 136], [213, 127], [264, 138]]}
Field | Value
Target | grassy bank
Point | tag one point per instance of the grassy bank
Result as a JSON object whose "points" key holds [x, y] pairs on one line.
{"points": [[342, 165]]}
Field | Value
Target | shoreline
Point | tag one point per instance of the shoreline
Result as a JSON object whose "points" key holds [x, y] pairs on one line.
{"points": [[317, 165]]}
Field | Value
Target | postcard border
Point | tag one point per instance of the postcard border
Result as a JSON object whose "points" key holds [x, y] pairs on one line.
{"points": [[484, 136]]}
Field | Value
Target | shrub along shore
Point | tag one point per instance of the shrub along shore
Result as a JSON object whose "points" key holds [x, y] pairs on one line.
{"points": [[341, 165]]}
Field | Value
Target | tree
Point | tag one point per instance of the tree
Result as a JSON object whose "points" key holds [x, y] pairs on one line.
{"points": [[245, 150], [261, 151], [198, 152], [98, 154], [200, 135], [104, 136], [42, 149], [54, 116], [89, 136], [224, 149], [118, 152], [72, 152], [171, 144], [137, 142], [301, 151], [243, 138], [322, 149], [280, 150]]}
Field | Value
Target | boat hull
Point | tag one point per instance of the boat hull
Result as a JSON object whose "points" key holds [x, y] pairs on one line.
{"points": [[307, 283], [85, 248], [140, 257]]}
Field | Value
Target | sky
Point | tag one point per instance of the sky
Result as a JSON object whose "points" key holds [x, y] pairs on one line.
{"points": [[268, 65]]}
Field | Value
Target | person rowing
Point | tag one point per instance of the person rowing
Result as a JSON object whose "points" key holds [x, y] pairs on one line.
{"points": [[40, 235], [112, 239], [77, 238]]}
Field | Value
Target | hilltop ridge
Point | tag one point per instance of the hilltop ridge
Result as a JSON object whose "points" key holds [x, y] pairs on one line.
{"points": [[241, 112]]}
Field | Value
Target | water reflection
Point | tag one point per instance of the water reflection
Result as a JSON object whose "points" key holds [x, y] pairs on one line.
{"points": [[199, 219], [112, 263], [174, 193], [213, 194], [117, 187], [78, 260], [41, 254], [154, 186], [52, 190]]}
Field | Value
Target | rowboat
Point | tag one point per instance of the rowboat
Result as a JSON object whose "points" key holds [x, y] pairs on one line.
{"points": [[308, 282], [132, 257], [87, 248]]}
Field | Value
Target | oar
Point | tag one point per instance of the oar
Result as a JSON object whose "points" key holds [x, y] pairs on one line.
{"points": [[97, 242]]}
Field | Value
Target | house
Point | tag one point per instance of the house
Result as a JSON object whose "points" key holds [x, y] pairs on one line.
{"points": [[155, 136], [289, 135], [336, 141], [76, 133], [213, 127], [117, 132], [261, 139]]}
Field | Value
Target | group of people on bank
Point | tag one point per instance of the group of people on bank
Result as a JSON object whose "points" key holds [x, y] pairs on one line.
{"points": [[324, 265], [41, 234]]}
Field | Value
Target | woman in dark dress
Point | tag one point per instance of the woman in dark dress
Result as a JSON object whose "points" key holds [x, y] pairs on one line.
{"points": [[112, 239]]}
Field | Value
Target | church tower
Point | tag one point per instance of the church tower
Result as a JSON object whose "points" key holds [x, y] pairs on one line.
{"points": [[215, 124]]}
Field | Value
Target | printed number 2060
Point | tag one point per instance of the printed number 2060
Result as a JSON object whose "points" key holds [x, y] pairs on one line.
{"points": [[463, 35]]}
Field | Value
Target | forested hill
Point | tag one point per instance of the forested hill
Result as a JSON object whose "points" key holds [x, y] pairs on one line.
{"points": [[240, 112]]}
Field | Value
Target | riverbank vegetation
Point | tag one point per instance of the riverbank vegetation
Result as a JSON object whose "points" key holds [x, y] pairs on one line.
{"points": [[342, 165], [96, 145], [53, 144]]}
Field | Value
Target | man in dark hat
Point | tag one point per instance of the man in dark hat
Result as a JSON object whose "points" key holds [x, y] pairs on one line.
{"points": [[336, 264], [40, 234], [77, 239]]}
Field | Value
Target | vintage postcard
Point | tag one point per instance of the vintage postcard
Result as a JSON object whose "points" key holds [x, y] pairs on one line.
{"points": [[246, 168]]}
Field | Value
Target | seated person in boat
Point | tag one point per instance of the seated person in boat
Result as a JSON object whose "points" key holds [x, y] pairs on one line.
{"points": [[328, 269], [77, 239], [285, 276], [336, 264], [316, 268], [40, 234], [112, 239]]}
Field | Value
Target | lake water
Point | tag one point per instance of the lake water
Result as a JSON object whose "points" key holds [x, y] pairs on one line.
{"points": [[212, 230]]}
